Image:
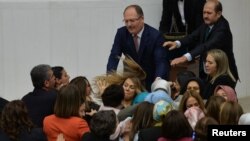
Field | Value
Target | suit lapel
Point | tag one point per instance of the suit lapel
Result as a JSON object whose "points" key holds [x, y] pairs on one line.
{"points": [[144, 42]]}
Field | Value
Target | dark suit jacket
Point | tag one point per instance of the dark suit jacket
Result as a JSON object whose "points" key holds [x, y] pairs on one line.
{"points": [[40, 103], [220, 37], [193, 10], [36, 134], [152, 57], [221, 80], [3, 102]]}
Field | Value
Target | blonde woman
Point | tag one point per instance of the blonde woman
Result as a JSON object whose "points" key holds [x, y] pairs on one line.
{"points": [[217, 69]]}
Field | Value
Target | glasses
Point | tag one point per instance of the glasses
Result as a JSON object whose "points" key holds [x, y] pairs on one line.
{"points": [[131, 20]]}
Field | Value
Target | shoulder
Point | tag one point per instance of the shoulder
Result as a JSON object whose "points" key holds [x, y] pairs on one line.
{"points": [[223, 77], [49, 118], [27, 95], [122, 29], [148, 28], [36, 134], [3, 102], [224, 80], [222, 22], [80, 122]]}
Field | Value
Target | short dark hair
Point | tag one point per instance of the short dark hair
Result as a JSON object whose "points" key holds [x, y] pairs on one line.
{"points": [[113, 95], [196, 79], [103, 123], [137, 8], [183, 76], [39, 74], [57, 71], [68, 102]]}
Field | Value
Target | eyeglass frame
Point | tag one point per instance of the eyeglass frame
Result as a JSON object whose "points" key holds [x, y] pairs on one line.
{"points": [[131, 20]]}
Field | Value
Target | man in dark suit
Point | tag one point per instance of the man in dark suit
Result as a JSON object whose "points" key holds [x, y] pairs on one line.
{"points": [[40, 102], [214, 33], [142, 43]]}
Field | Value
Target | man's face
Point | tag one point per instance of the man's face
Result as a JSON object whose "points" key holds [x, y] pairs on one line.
{"points": [[209, 14], [133, 21]]}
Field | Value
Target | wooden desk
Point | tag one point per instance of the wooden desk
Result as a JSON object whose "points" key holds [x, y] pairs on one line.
{"points": [[191, 66]]}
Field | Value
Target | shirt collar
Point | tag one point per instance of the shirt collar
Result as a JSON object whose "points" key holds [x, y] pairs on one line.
{"points": [[140, 33]]}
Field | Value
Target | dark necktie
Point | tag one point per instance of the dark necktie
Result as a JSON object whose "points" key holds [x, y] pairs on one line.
{"points": [[135, 37], [207, 33]]}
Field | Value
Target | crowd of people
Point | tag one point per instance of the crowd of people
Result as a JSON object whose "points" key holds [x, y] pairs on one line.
{"points": [[139, 104]]}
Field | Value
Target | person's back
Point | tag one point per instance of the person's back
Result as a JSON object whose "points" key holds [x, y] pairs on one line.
{"points": [[40, 102], [72, 128], [66, 118]]}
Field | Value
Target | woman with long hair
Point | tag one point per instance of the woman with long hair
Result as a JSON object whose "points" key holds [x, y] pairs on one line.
{"points": [[16, 125]]}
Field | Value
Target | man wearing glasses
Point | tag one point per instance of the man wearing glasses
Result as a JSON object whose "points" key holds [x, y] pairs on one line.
{"points": [[142, 43]]}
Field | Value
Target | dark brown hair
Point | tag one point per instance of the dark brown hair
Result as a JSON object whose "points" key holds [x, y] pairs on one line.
{"points": [[201, 128], [142, 118], [68, 102], [15, 119], [186, 95], [82, 83], [175, 125]]}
